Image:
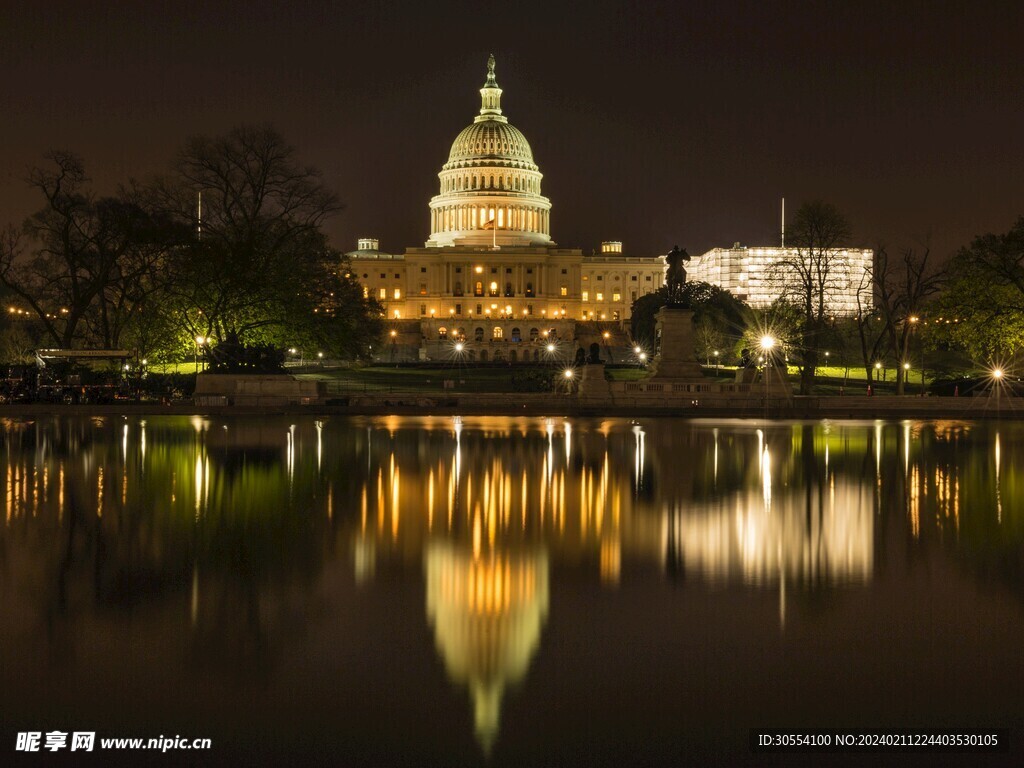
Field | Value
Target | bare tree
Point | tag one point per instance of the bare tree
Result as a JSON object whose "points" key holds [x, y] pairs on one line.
{"points": [[809, 273], [902, 290], [872, 330], [61, 260]]}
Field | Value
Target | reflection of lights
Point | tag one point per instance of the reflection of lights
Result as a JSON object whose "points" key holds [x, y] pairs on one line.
{"points": [[999, 496], [487, 614]]}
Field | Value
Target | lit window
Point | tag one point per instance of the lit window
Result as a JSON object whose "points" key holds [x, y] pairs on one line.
{"points": [[497, 331], [398, 293], [600, 297], [564, 291], [616, 296], [586, 295], [383, 294]]}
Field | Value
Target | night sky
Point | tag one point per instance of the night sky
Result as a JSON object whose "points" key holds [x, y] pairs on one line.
{"points": [[653, 122]]}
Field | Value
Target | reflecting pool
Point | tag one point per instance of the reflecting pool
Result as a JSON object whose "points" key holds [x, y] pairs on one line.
{"points": [[508, 591]]}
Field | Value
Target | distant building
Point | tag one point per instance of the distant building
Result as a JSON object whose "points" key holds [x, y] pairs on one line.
{"points": [[489, 274], [759, 276]]}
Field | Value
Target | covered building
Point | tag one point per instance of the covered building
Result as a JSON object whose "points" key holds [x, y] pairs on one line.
{"points": [[759, 276]]}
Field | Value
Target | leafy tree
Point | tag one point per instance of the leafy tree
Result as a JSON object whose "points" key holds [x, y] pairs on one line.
{"points": [[982, 310], [810, 273], [258, 266], [718, 315]]}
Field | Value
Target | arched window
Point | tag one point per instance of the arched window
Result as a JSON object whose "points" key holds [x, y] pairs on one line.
{"points": [[478, 334], [494, 289], [483, 355], [442, 333], [498, 332], [461, 333], [479, 289], [529, 289], [534, 333], [474, 182], [492, 182], [517, 335], [458, 288], [512, 356]]}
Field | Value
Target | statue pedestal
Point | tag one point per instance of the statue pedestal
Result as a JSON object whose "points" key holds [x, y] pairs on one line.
{"points": [[775, 381], [593, 385], [675, 357]]}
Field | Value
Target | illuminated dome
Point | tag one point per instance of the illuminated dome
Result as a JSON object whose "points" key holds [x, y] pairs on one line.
{"points": [[490, 186], [490, 142]]}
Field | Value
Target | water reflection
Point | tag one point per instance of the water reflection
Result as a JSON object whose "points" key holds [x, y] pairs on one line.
{"points": [[230, 528]]}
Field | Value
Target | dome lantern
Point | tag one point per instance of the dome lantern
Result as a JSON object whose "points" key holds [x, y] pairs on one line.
{"points": [[490, 96]]}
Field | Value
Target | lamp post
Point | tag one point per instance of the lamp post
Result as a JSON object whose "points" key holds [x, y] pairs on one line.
{"points": [[200, 341], [607, 348], [767, 345], [715, 353]]}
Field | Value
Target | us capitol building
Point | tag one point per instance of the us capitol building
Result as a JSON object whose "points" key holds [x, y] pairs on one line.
{"points": [[490, 275], [490, 283]]}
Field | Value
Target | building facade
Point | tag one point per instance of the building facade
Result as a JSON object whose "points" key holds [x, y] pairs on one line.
{"points": [[490, 283], [759, 276]]}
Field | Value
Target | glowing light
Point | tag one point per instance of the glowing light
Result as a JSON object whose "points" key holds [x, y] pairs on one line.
{"points": [[906, 366], [638, 350], [767, 343], [997, 373], [643, 356], [459, 347], [320, 355], [550, 347], [568, 373], [878, 366], [606, 335]]}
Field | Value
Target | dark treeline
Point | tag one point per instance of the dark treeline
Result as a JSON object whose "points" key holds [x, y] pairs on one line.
{"points": [[226, 246]]}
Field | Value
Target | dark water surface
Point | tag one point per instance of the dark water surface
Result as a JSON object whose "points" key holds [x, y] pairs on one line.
{"points": [[508, 591]]}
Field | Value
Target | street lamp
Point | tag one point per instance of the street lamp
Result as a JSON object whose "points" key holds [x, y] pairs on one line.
{"points": [[606, 336], [200, 341]]}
